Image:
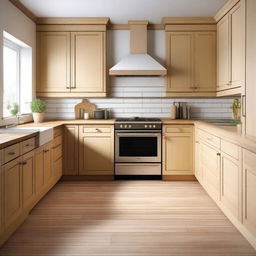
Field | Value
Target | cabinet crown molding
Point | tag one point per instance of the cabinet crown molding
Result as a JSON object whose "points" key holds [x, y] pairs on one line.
{"points": [[188, 20], [73, 21]]}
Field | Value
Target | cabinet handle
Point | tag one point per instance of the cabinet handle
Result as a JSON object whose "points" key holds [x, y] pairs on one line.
{"points": [[244, 105], [11, 153], [98, 130], [218, 154], [23, 163], [46, 150], [27, 145]]}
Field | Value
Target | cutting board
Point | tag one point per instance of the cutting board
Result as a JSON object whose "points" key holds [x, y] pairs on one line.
{"points": [[84, 107]]}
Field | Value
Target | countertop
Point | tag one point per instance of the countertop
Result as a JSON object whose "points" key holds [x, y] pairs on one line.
{"points": [[229, 133]]}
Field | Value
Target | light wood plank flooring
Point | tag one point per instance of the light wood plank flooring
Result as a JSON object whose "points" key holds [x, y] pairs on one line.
{"points": [[127, 218]]}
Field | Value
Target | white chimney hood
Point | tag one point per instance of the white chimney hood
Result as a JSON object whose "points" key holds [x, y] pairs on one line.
{"points": [[138, 62]]}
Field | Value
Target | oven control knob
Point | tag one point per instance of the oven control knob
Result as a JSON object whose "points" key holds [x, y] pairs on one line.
{"points": [[130, 126], [146, 126], [150, 126], [121, 126], [154, 126], [125, 126]]}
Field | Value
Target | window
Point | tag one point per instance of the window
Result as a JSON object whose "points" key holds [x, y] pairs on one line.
{"points": [[11, 90], [17, 77]]}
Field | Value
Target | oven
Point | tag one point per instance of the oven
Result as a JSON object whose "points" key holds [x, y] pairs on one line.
{"points": [[138, 152]]}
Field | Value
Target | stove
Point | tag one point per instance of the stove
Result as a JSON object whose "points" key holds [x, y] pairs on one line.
{"points": [[138, 147], [138, 123]]}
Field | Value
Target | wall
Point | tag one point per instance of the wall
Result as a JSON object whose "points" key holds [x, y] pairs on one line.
{"points": [[20, 26], [139, 96]]}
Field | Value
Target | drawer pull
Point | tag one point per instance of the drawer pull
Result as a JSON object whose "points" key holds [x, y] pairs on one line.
{"points": [[27, 145], [98, 130], [46, 150], [23, 163], [11, 153], [218, 154]]}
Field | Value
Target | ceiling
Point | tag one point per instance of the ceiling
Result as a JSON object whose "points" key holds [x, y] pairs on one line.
{"points": [[120, 11]]}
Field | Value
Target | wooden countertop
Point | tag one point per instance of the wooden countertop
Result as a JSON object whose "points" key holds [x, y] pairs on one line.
{"points": [[229, 133]]}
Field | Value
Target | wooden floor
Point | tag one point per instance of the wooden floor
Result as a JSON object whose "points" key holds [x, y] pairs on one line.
{"points": [[127, 218]]}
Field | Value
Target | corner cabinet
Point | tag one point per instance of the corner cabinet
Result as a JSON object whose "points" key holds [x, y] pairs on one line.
{"points": [[191, 61], [231, 51], [71, 59]]}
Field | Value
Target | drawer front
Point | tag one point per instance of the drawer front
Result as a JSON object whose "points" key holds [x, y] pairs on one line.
{"points": [[57, 131], [11, 152], [230, 149], [27, 145], [209, 138], [178, 128], [57, 152], [97, 129], [57, 141]]}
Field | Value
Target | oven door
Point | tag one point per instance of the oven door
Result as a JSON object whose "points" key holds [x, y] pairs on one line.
{"points": [[137, 146]]}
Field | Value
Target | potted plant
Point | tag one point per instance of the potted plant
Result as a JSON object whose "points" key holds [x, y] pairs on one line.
{"points": [[38, 108], [236, 110], [13, 108]]}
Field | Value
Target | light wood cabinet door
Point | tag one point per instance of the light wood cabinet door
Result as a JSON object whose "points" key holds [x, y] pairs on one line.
{"points": [[198, 166], [210, 160], [12, 191], [205, 62], [230, 184], [53, 62], [96, 151], [28, 180], [249, 191], [1, 200], [178, 154], [237, 20], [180, 48], [223, 54], [88, 62], [71, 147], [48, 171]]}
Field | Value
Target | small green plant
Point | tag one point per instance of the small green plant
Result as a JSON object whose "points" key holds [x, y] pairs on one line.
{"points": [[236, 108], [13, 108], [37, 106]]}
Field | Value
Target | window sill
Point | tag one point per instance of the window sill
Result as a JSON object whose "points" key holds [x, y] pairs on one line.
{"points": [[15, 120]]}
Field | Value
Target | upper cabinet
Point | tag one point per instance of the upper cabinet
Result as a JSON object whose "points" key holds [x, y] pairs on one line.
{"points": [[191, 60], [71, 59], [231, 51]]}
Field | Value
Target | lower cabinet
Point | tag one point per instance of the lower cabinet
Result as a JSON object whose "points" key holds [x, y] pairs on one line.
{"points": [[57, 158], [43, 166], [12, 192], [178, 150], [1, 200], [71, 147], [96, 150], [249, 192], [28, 180], [210, 161]]}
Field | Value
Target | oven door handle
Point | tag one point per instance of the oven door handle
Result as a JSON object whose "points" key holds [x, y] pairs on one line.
{"points": [[121, 134]]}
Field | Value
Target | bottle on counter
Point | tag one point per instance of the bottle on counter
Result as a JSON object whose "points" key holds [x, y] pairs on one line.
{"points": [[173, 111]]}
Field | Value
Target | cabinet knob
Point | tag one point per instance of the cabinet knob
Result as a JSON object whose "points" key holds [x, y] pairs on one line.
{"points": [[23, 163], [218, 154], [11, 153]]}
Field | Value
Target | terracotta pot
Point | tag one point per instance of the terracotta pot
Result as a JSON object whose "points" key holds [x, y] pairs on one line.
{"points": [[38, 117]]}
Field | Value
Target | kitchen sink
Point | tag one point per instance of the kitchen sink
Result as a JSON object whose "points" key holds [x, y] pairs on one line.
{"points": [[45, 134]]}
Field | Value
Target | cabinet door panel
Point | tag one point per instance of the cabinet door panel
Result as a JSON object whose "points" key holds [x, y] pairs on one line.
{"points": [[28, 180], [88, 62], [180, 61], [12, 191], [71, 145], [53, 64], [48, 172], [1, 200], [223, 54], [178, 153], [237, 19], [205, 61], [230, 184]]}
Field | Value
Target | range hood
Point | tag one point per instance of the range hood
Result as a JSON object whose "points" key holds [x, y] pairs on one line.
{"points": [[138, 62]]}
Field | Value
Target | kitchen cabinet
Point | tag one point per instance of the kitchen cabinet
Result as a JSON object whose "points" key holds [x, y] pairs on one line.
{"points": [[12, 191], [71, 59], [71, 149], [191, 63], [43, 165], [178, 153], [231, 51], [28, 180], [57, 157], [1, 199], [96, 150], [198, 166], [249, 192]]}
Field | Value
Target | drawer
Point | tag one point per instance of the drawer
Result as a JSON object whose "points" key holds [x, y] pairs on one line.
{"points": [[11, 152], [27, 145], [56, 152], [97, 129], [230, 149], [1, 157], [57, 141], [57, 131], [249, 160], [178, 128], [209, 138]]}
